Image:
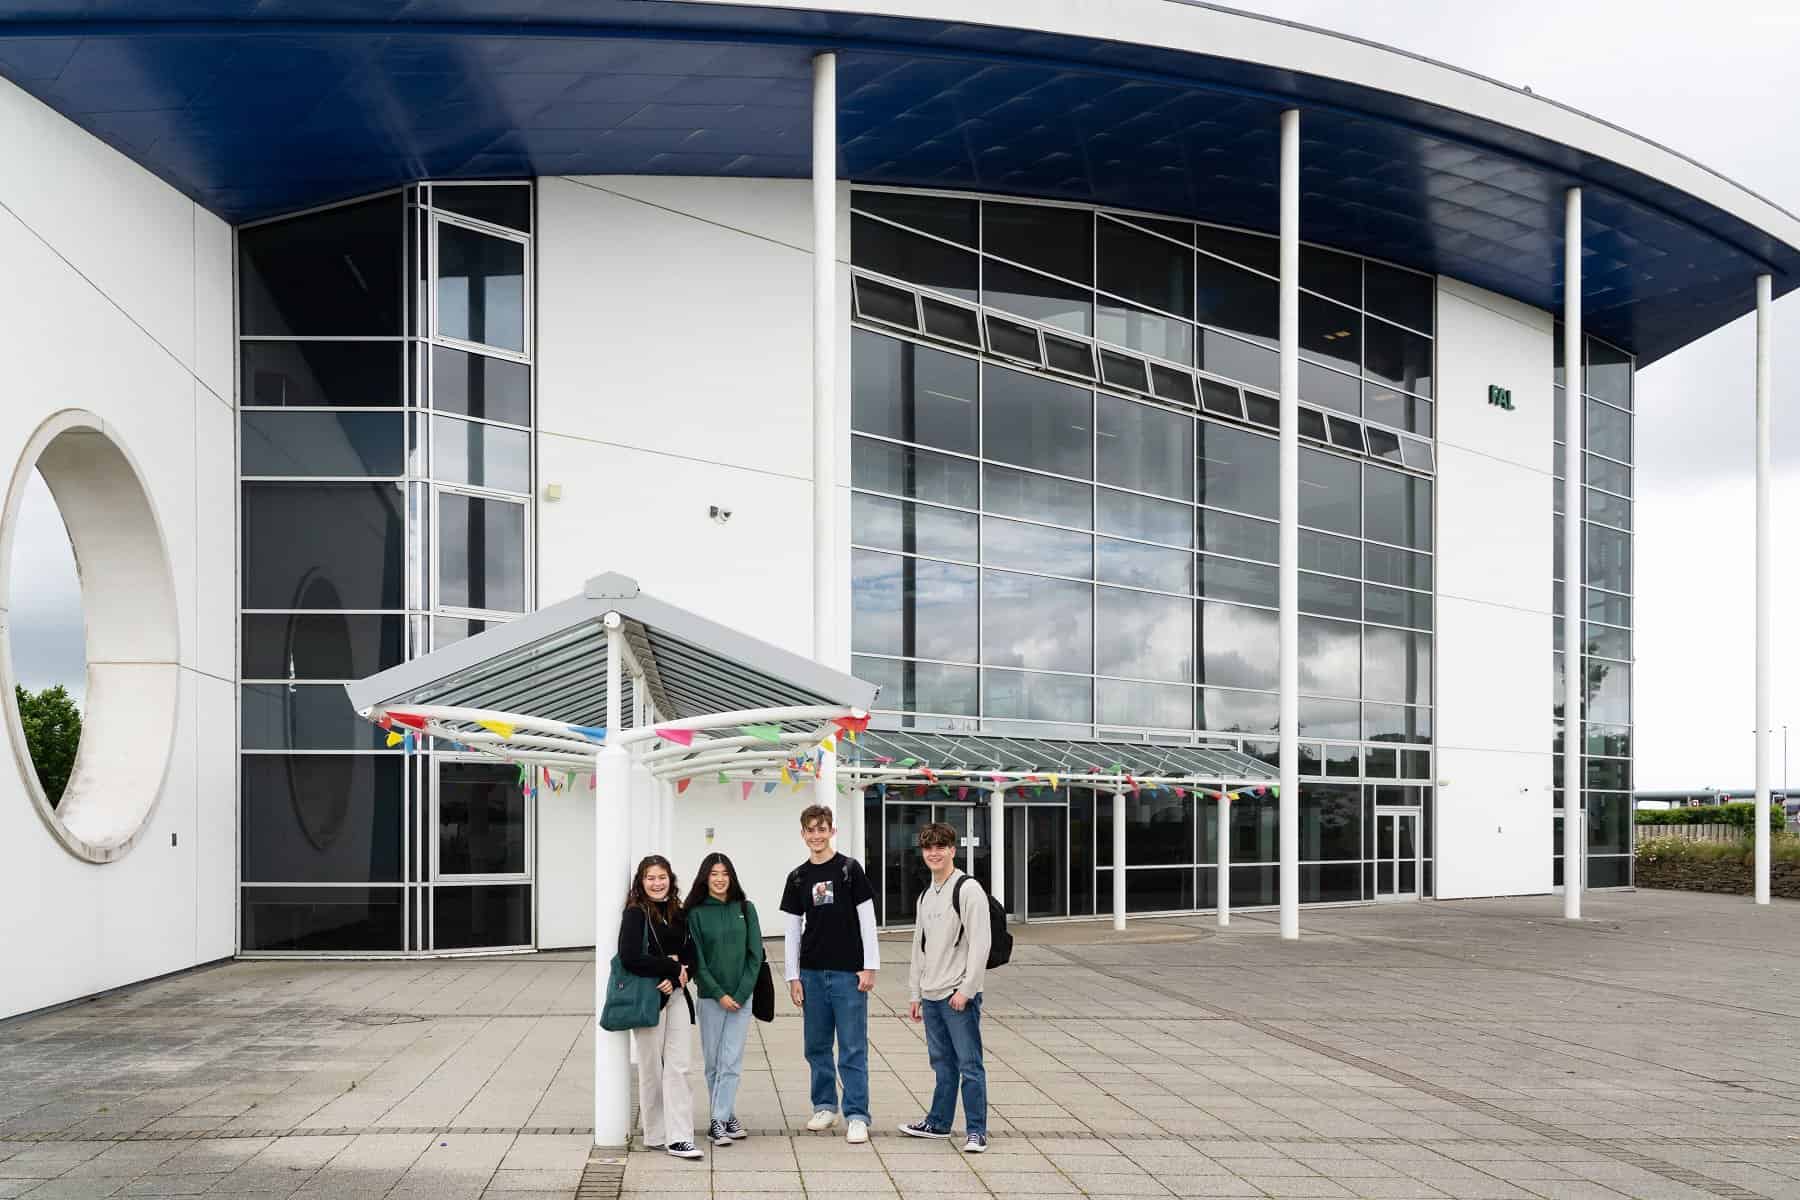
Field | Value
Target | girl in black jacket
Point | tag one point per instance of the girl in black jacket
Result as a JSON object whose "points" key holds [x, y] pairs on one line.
{"points": [[652, 940]]}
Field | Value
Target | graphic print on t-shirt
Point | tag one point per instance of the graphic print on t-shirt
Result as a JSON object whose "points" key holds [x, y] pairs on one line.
{"points": [[822, 893], [827, 895]]}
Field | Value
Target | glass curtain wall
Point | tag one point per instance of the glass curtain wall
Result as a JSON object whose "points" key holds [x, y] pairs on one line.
{"points": [[1064, 511], [1608, 442], [385, 414]]}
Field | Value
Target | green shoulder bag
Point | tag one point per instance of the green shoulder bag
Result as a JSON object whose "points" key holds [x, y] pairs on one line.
{"points": [[632, 1001]]}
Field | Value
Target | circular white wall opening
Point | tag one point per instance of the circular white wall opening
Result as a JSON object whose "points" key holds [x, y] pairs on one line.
{"points": [[131, 635]]}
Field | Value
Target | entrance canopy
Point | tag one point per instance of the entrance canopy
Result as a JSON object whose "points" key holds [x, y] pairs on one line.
{"points": [[536, 690]]}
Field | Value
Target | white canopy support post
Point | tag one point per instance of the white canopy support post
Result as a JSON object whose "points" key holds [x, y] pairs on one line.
{"points": [[825, 792], [1765, 583], [665, 820], [612, 877], [1289, 558], [824, 362], [1574, 607], [1224, 858], [997, 840], [1118, 855]]}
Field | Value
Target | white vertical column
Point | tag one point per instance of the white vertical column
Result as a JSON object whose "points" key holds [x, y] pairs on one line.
{"points": [[1118, 875], [1224, 858], [997, 836], [1289, 803], [1765, 595], [612, 876], [824, 394], [1574, 567]]}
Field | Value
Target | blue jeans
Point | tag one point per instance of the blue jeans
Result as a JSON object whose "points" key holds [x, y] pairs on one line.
{"points": [[832, 1006], [722, 1036], [953, 1040]]}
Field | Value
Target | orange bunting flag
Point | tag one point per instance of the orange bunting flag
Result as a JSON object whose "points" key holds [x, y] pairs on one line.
{"points": [[851, 725], [681, 737]]}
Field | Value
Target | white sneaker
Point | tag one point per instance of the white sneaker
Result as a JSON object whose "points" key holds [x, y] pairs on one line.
{"points": [[821, 1121], [858, 1133]]}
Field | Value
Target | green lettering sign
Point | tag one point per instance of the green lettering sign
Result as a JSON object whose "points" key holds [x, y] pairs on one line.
{"points": [[1500, 397]]}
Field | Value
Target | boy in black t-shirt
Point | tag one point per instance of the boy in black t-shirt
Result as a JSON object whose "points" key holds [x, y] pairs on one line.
{"points": [[832, 957]]}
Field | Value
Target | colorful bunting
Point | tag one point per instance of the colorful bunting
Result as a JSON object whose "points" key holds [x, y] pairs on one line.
{"points": [[909, 762], [746, 785], [1181, 793], [962, 793], [767, 788], [762, 733], [681, 737], [722, 778], [787, 776], [828, 746], [883, 759], [851, 726], [394, 739], [593, 733], [681, 785], [497, 727], [412, 719], [1055, 780], [410, 744]]}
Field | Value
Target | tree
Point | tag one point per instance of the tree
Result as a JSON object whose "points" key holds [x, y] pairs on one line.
{"points": [[52, 732]]}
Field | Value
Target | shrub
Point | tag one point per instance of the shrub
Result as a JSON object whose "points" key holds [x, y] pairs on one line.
{"points": [[1741, 813], [1783, 847]]}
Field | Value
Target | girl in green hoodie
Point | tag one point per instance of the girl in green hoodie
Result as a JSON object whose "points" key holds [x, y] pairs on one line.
{"points": [[728, 955]]}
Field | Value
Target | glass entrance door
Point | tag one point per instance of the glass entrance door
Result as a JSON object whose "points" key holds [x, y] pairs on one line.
{"points": [[1037, 860], [1396, 854], [903, 871]]}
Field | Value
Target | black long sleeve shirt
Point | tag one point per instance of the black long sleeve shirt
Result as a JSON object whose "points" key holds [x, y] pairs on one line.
{"points": [[668, 935]]}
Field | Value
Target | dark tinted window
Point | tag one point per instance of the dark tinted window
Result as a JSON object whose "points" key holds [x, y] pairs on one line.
{"points": [[305, 716], [322, 919], [1397, 508], [1608, 374], [476, 385], [1237, 359], [481, 819], [1238, 470], [913, 393], [322, 443], [879, 302], [938, 215], [508, 206], [483, 914], [481, 553], [1331, 274], [1397, 356], [1145, 268], [1330, 492], [1398, 295], [1236, 300], [323, 374], [321, 645], [323, 545], [1330, 332], [915, 259], [1330, 821], [329, 273], [1057, 240], [481, 288], [1250, 249], [1037, 423], [322, 818], [1037, 297]]}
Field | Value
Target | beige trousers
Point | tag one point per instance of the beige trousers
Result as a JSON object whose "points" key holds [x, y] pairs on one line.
{"points": [[665, 1053]]}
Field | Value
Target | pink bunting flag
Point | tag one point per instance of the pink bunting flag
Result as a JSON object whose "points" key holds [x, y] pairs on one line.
{"points": [[1181, 793], [746, 785], [883, 759], [681, 737], [962, 793]]}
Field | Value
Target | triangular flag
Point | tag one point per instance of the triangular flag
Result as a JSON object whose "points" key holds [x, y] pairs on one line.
{"points": [[962, 793], [411, 746], [829, 746], [851, 725], [593, 733], [1055, 780], [765, 733], [909, 762], [499, 727], [412, 719], [883, 759], [681, 785], [722, 778], [747, 785], [394, 739], [767, 788], [681, 737], [787, 776], [1181, 793]]}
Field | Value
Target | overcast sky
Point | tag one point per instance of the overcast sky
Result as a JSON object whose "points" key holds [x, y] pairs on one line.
{"points": [[1711, 81]]}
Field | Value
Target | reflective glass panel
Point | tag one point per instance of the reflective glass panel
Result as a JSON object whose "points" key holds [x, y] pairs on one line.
{"points": [[1331, 274], [1396, 665], [1329, 659], [941, 216], [882, 248], [1608, 431], [1336, 719], [486, 914], [322, 443], [481, 288], [1144, 635], [1057, 240], [1237, 359], [1608, 374], [1238, 470], [321, 818], [1036, 548], [1331, 819], [323, 545], [481, 819], [1332, 389], [877, 301], [1330, 596], [1229, 579], [1608, 558], [1249, 249], [1238, 301], [340, 646], [1397, 357], [1145, 268], [1037, 297], [477, 385], [1240, 537], [913, 607], [913, 528], [1225, 711], [1159, 828], [481, 455], [919, 474], [919, 686], [1330, 492], [322, 919], [1148, 332], [1025, 696], [303, 716], [1038, 497], [1390, 606], [323, 374], [1036, 422], [1036, 623], [1398, 295], [1332, 334], [1397, 508], [497, 205], [1144, 566], [481, 553], [1332, 555], [1141, 517], [1239, 646], [1607, 508], [1145, 448], [1383, 564], [1609, 692], [1143, 705], [330, 273], [1396, 723]]}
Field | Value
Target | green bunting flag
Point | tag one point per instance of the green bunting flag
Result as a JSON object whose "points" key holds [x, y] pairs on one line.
{"points": [[764, 733]]}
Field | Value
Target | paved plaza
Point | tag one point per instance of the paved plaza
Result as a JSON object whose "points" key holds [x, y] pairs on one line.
{"points": [[1482, 1050]]}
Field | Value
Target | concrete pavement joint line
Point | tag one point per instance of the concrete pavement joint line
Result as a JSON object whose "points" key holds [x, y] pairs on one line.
{"points": [[1643, 1162]]}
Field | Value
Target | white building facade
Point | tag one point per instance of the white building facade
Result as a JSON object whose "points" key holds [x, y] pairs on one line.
{"points": [[336, 429]]}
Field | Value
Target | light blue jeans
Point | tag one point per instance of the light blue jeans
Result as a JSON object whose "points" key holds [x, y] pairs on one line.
{"points": [[722, 1037]]}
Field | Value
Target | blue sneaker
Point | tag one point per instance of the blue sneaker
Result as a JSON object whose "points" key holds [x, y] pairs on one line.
{"points": [[922, 1128], [977, 1144]]}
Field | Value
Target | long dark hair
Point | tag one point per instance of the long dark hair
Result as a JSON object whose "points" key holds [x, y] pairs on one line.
{"points": [[636, 897], [702, 888]]}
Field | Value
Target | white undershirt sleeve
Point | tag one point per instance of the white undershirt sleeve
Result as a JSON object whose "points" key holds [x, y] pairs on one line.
{"points": [[865, 916], [796, 925]]}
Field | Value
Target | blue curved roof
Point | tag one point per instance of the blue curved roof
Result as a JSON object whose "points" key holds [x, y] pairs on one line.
{"points": [[258, 107]]}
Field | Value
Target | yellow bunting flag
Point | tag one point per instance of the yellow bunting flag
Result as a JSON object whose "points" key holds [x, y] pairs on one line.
{"points": [[394, 739], [498, 727], [1055, 780], [829, 746], [787, 776]]}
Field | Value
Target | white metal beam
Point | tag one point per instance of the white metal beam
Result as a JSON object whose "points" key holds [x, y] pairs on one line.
{"points": [[1574, 603], [1765, 583], [1289, 570]]}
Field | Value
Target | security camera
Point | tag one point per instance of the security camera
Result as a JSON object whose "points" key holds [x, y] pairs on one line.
{"points": [[721, 515]]}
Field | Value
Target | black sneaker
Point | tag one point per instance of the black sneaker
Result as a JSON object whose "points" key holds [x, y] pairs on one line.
{"points": [[922, 1128], [977, 1144], [685, 1150], [735, 1131], [716, 1132]]}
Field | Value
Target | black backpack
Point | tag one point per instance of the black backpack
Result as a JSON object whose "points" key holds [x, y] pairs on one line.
{"points": [[1000, 947]]}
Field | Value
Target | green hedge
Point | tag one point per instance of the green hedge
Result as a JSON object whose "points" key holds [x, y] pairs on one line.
{"points": [[1741, 813], [1782, 848]]}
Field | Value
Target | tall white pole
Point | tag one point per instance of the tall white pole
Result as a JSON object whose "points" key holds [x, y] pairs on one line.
{"points": [[1224, 859], [1289, 802], [1765, 593], [1118, 875], [1574, 605], [824, 414], [612, 876], [997, 841]]}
